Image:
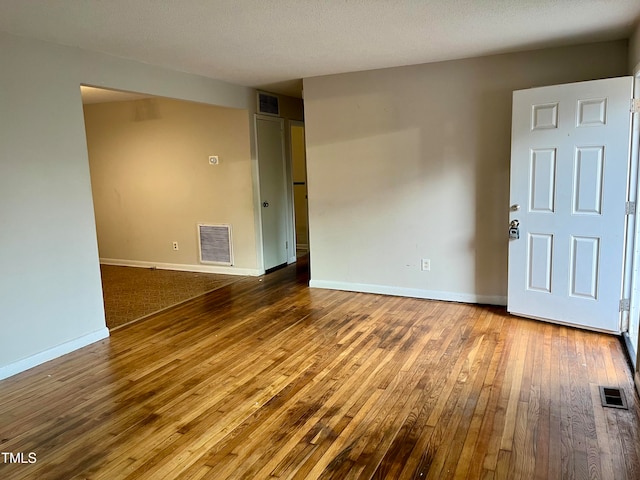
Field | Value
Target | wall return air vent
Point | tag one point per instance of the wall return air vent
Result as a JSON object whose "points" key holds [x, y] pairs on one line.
{"points": [[215, 244]]}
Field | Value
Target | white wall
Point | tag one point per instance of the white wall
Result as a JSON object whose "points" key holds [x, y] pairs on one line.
{"points": [[50, 291], [413, 162]]}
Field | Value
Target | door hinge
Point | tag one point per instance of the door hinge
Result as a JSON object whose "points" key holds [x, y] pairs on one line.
{"points": [[625, 305], [630, 208], [286, 245], [635, 105]]}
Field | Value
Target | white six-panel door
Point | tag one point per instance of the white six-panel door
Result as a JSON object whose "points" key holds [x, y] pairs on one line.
{"points": [[569, 176]]}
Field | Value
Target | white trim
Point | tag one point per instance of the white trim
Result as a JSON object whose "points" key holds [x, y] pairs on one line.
{"points": [[630, 233], [633, 266], [257, 194], [55, 352], [635, 145], [293, 259], [253, 272], [410, 292]]}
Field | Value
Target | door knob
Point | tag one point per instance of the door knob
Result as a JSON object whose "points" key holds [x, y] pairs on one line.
{"points": [[265, 204]]}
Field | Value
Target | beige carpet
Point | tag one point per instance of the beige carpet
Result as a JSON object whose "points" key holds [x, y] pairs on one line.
{"points": [[132, 293]]}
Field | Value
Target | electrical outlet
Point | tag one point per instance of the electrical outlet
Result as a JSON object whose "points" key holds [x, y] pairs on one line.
{"points": [[175, 246], [426, 265]]}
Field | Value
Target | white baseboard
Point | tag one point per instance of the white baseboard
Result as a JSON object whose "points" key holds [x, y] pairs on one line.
{"points": [[410, 292], [222, 269], [55, 352]]}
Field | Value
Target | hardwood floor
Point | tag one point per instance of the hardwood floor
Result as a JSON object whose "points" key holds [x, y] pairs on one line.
{"points": [[266, 378]]}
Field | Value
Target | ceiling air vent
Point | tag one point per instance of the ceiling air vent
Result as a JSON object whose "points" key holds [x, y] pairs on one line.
{"points": [[215, 244], [268, 104]]}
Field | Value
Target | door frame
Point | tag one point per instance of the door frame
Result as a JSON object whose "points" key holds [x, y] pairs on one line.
{"points": [[634, 233], [288, 193]]}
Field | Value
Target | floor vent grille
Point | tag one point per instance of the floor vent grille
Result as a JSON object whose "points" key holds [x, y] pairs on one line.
{"points": [[613, 397]]}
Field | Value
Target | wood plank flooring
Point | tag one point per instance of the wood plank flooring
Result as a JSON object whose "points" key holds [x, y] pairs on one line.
{"points": [[266, 379]]}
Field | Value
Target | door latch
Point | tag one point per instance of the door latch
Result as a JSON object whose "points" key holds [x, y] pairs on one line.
{"points": [[514, 230]]}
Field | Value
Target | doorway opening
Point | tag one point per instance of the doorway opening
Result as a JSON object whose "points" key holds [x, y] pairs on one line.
{"points": [[300, 192], [281, 153], [152, 183]]}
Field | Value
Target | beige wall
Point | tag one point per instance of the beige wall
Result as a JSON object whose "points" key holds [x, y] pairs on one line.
{"points": [[634, 49], [50, 290], [413, 162], [152, 182]]}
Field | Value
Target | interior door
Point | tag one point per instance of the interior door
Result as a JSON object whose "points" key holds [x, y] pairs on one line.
{"points": [[273, 185], [569, 176]]}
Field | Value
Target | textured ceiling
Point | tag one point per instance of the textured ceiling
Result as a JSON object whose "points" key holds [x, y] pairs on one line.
{"points": [[272, 44]]}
